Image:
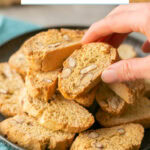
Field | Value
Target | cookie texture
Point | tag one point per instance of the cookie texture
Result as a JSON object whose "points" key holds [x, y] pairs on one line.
{"points": [[46, 51], [27, 133], [124, 137], [82, 70], [137, 113], [59, 114], [129, 91], [18, 62], [109, 101], [126, 51], [10, 85], [41, 85], [87, 99]]}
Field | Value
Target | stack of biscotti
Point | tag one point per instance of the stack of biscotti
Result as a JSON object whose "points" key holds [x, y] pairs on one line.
{"points": [[39, 61], [45, 54], [63, 78]]}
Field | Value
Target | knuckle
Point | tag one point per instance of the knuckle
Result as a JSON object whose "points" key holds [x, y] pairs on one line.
{"points": [[126, 71]]}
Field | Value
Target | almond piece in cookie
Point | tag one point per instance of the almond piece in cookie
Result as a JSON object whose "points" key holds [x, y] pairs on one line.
{"points": [[82, 70]]}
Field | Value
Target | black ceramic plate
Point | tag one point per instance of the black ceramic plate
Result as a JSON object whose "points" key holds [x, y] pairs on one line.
{"points": [[10, 47]]}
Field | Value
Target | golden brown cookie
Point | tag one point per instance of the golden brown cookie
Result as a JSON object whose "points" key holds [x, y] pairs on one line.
{"points": [[82, 70], [27, 133], [10, 85], [47, 51], [18, 62], [124, 137], [58, 114], [41, 85], [129, 91], [137, 113], [109, 101]]}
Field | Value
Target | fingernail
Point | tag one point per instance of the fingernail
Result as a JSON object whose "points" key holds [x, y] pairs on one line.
{"points": [[109, 76]]}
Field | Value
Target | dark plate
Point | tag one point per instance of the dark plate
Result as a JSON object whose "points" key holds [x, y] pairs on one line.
{"points": [[7, 49]]}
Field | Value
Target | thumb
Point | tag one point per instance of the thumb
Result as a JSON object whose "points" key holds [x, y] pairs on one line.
{"points": [[126, 70]]}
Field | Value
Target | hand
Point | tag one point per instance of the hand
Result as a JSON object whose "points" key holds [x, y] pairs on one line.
{"points": [[113, 29]]}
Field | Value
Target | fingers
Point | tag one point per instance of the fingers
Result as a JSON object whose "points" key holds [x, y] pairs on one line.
{"points": [[109, 26], [127, 70], [146, 47], [117, 39], [121, 21]]}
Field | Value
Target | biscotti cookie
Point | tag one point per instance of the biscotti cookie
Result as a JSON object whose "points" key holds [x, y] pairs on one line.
{"points": [[18, 62], [87, 99], [27, 133], [59, 114], [41, 85], [82, 70], [124, 137], [126, 51], [137, 113], [46, 51], [109, 101], [128, 91], [10, 85]]}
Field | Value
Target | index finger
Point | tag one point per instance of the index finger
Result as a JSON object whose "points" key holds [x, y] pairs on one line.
{"points": [[124, 22]]}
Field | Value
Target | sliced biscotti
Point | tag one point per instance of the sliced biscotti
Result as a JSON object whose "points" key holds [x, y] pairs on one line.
{"points": [[41, 85], [88, 98], [18, 62], [137, 113], [82, 70], [46, 51], [59, 114], [27, 133], [126, 51], [129, 91], [109, 101], [124, 137], [10, 85]]}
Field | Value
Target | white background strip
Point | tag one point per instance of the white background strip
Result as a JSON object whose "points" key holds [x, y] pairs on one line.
{"points": [[44, 2]]}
